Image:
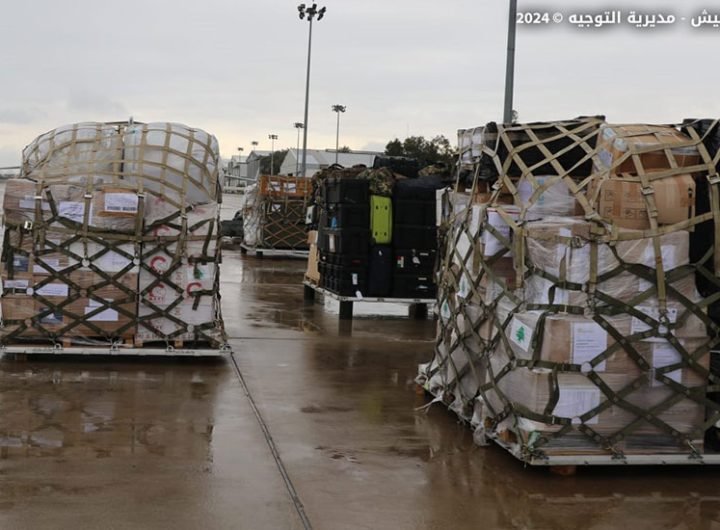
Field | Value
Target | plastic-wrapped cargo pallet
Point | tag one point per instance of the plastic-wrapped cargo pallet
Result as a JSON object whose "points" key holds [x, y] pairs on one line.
{"points": [[571, 324], [111, 237], [274, 212]]}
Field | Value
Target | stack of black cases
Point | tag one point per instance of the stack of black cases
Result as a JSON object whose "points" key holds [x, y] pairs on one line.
{"points": [[414, 238], [378, 247], [344, 236]]}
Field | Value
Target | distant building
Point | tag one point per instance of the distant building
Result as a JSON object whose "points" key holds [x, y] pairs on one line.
{"points": [[318, 159], [236, 172], [253, 164], [9, 172]]}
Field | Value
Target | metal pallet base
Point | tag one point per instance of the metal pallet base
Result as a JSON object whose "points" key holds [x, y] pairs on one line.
{"points": [[711, 459], [388, 300], [609, 460], [114, 350], [275, 252], [418, 307]]}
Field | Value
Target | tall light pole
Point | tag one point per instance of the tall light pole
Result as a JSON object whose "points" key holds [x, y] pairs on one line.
{"points": [[510, 66], [240, 151], [298, 126], [310, 13], [254, 143], [338, 109], [272, 138]]}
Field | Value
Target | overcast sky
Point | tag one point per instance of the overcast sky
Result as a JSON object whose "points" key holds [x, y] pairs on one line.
{"points": [[237, 68]]}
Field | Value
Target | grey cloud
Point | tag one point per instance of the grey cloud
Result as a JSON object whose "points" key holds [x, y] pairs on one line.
{"points": [[415, 67], [95, 103], [19, 116], [9, 156]]}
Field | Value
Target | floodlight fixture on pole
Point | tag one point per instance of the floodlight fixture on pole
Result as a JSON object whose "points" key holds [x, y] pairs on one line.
{"points": [[510, 66], [272, 138], [255, 143], [240, 151], [298, 126], [338, 109], [309, 13]]}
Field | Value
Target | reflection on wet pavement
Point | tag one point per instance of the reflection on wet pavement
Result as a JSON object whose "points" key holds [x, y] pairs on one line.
{"points": [[149, 443]]}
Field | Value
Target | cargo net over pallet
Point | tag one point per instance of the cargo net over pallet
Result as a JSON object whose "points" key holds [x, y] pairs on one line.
{"points": [[274, 213], [111, 238], [579, 293]]}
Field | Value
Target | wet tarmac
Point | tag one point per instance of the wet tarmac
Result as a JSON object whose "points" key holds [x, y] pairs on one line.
{"points": [[110, 443]]}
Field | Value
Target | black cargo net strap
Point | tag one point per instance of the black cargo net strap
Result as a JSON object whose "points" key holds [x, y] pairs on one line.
{"points": [[72, 232], [41, 236]]}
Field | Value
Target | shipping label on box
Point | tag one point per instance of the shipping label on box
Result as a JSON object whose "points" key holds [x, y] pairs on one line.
{"points": [[577, 401], [72, 211], [121, 202], [51, 290], [589, 340]]}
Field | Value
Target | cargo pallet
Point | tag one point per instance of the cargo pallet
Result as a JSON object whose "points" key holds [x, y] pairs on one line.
{"points": [[418, 306], [261, 252], [118, 349]]}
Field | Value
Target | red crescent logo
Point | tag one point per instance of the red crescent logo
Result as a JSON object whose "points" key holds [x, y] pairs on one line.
{"points": [[193, 286], [158, 263]]}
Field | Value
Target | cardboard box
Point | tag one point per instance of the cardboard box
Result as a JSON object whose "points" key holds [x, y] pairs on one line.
{"points": [[312, 237], [555, 201], [161, 218], [483, 216], [184, 319], [45, 264], [173, 301], [572, 339], [183, 281], [650, 141], [110, 208], [313, 273], [75, 302], [535, 390], [110, 309], [484, 192], [621, 200], [19, 202], [17, 309], [499, 276], [114, 209], [561, 248]]}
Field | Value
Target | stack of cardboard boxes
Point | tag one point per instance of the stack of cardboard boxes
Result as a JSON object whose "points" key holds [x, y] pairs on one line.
{"points": [[570, 321], [111, 235]]}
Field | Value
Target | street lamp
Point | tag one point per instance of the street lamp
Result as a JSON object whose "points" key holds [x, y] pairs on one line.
{"points": [[310, 13], [272, 138], [298, 126], [254, 143], [338, 109], [240, 151], [510, 66]]}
